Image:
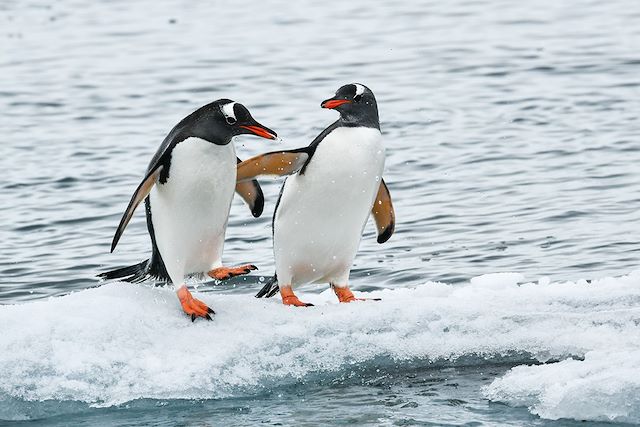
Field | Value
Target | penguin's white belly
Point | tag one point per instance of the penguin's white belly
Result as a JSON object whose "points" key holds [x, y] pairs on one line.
{"points": [[190, 210], [322, 213]]}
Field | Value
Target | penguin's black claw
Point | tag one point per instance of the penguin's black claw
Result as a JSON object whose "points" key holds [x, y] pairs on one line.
{"points": [[308, 304], [193, 318], [249, 268], [208, 317], [209, 310]]}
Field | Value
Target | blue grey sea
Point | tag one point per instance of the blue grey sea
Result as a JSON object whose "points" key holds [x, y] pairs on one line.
{"points": [[510, 290]]}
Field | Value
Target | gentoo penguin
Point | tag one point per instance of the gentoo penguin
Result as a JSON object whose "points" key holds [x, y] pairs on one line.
{"points": [[188, 189], [324, 206]]}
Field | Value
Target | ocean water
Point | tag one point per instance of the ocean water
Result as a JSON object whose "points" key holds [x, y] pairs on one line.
{"points": [[510, 291]]}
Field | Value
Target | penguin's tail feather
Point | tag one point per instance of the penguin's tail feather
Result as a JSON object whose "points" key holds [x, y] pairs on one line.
{"points": [[270, 288], [134, 273]]}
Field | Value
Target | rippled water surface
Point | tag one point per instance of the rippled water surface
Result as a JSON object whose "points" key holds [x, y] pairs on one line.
{"points": [[513, 143]]}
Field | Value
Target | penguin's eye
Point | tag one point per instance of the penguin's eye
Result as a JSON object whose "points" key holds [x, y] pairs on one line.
{"points": [[231, 120], [357, 98]]}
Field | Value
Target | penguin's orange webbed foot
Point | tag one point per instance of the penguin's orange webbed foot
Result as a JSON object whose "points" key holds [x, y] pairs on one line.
{"points": [[345, 295], [294, 301], [224, 273], [192, 306], [289, 298]]}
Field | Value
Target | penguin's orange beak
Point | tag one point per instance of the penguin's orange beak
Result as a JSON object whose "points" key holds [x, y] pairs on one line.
{"points": [[260, 130], [334, 103]]}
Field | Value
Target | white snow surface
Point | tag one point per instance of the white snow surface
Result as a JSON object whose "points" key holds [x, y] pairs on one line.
{"points": [[120, 342]]}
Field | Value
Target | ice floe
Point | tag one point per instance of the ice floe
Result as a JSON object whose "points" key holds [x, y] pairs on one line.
{"points": [[605, 386], [121, 342]]}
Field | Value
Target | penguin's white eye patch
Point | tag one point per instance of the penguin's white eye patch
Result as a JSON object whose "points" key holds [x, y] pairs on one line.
{"points": [[229, 114], [359, 90]]}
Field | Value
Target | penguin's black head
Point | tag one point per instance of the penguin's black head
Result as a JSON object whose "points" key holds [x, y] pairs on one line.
{"points": [[223, 119], [356, 104]]}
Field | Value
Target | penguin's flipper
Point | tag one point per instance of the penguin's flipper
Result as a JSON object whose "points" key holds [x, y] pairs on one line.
{"points": [[383, 213], [140, 194], [251, 193], [276, 163]]}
